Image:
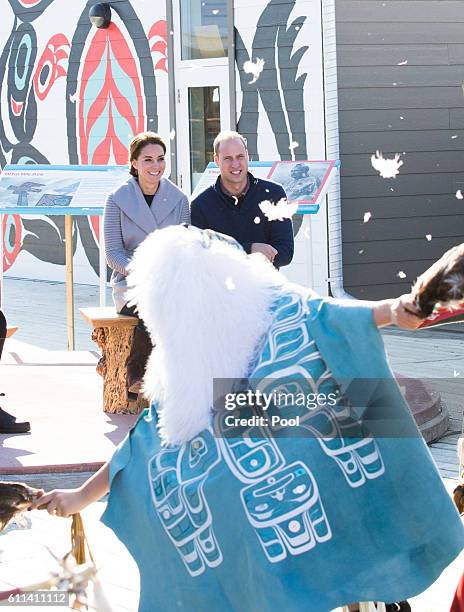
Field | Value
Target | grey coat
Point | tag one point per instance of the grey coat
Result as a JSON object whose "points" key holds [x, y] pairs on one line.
{"points": [[128, 220]]}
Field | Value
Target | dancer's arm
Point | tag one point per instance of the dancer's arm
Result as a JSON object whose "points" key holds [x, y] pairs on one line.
{"points": [[64, 502]]}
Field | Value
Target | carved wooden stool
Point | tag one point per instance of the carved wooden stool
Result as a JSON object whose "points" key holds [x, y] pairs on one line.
{"points": [[113, 333]]}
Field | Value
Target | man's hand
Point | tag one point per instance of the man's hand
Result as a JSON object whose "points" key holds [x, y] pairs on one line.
{"points": [[266, 249]]}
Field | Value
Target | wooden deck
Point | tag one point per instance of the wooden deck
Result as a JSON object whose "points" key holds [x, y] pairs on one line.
{"points": [[436, 356]]}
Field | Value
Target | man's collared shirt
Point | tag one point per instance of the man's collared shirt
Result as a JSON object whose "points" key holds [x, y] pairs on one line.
{"points": [[238, 199]]}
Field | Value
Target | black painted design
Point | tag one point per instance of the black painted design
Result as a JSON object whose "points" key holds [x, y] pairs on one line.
{"points": [[19, 56], [25, 153], [29, 13], [5, 143], [90, 246], [273, 32], [293, 87], [22, 106], [250, 100], [274, 38], [2, 157], [46, 238], [297, 221]]}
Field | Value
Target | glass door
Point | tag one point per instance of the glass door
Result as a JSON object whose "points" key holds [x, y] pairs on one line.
{"points": [[201, 84]]}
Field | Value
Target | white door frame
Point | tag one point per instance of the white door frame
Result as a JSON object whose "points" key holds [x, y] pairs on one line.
{"points": [[208, 72]]}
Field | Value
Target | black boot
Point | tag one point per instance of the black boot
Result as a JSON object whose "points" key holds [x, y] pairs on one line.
{"points": [[136, 362], [9, 425], [401, 606]]}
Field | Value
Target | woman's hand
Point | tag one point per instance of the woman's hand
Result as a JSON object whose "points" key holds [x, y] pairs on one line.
{"points": [[62, 502]]}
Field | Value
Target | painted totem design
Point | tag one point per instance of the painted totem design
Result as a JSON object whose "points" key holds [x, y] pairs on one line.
{"points": [[110, 94]]}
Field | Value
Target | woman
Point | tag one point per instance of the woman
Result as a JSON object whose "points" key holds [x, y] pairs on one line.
{"points": [[146, 202], [309, 515]]}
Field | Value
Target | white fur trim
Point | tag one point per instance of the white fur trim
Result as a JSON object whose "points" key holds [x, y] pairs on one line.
{"points": [[206, 310]]}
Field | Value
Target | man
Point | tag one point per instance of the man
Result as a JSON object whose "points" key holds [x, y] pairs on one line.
{"points": [[8, 423], [231, 205]]}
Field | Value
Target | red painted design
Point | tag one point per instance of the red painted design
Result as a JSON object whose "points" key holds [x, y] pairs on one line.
{"points": [[29, 3], [11, 251], [159, 33], [110, 98], [16, 107], [56, 51]]}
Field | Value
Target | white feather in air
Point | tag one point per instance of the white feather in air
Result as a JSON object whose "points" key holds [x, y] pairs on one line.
{"points": [[387, 168], [280, 211], [254, 68]]}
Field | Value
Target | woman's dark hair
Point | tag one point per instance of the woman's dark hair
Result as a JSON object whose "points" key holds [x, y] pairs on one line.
{"points": [[138, 142]]}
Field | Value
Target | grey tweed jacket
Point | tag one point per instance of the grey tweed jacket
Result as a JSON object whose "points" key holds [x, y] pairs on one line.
{"points": [[128, 220]]}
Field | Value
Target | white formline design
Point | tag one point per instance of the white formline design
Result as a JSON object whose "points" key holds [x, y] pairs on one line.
{"points": [[281, 501], [177, 477], [281, 368]]}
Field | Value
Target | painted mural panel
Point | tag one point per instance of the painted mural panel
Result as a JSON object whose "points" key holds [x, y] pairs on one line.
{"points": [[74, 94], [280, 104]]}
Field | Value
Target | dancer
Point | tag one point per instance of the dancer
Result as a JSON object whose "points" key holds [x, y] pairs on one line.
{"points": [[264, 504]]}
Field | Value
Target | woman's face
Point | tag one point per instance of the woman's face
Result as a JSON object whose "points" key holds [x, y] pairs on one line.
{"points": [[150, 164]]}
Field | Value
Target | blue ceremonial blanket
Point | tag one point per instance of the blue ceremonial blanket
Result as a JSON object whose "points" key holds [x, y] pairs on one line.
{"points": [[278, 521]]}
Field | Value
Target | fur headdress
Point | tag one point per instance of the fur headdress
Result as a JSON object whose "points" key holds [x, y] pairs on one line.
{"points": [[442, 284], [206, 305]]}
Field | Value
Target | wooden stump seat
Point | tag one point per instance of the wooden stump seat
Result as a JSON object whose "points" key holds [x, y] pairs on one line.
{"points": [[113, 333]]}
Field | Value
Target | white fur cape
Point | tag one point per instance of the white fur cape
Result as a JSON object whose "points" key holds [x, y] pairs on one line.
{"points": [[206, 305]]}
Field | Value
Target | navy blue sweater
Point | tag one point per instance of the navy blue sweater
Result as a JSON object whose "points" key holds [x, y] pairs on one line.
{"points": [[213, 209]]}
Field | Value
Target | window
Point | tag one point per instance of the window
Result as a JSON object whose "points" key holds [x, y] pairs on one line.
{"points": [[204, 29]]}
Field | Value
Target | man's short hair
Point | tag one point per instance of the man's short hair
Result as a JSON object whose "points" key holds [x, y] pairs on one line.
{"points": [[228, 135]]}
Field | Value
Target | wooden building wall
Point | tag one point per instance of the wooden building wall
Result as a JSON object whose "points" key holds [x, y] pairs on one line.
{"points": [[400, 90]]}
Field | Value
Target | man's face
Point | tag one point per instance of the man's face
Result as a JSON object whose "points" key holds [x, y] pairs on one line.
{"points": [[232, 159]]}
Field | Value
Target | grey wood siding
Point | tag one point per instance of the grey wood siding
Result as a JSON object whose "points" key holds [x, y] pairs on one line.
{"points": [[400, 75]]}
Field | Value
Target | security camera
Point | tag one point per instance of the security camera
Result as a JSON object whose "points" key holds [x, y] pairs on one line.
{"points": [[100, 15]]}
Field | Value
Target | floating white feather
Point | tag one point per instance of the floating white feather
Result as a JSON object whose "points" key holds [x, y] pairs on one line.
{"points": [[254, 68], [280, 211], [386, 167]]}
